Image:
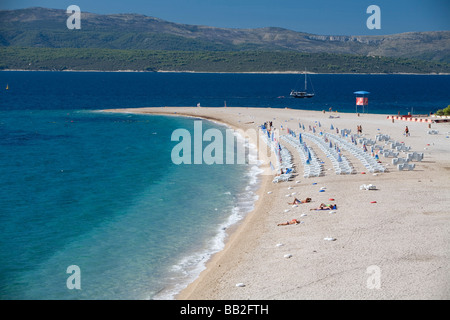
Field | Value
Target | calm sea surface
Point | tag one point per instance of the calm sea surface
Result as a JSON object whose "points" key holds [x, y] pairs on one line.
{"points": [[100, 191]]}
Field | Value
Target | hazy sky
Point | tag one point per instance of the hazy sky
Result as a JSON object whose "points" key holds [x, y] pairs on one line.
{"points": [[333, 17]]}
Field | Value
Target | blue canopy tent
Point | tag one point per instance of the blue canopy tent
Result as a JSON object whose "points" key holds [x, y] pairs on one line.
{"points": [[362, 100]]}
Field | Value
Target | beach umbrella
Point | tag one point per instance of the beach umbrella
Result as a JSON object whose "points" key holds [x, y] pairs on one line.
{"points": [[300, 138], [299, 125], [303, 127], [339, 159], [331, 128], [319, 124], [314, 129], [331, 145]]}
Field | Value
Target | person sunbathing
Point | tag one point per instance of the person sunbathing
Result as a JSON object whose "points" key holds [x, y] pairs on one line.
{"points": [[293, 221], [296, 201], [324, 206]]}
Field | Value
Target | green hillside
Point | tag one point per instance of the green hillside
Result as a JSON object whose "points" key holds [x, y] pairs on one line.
{"points": [[207, 61], [38, 39]]}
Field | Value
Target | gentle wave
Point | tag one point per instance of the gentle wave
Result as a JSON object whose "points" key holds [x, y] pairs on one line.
{"points": [[189, 267]]}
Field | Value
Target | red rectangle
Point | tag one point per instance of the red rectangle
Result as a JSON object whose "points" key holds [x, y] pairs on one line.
{"points": [[361, 101]]}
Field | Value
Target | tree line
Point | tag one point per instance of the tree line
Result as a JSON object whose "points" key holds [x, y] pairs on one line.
{"points": [[60, 59]]}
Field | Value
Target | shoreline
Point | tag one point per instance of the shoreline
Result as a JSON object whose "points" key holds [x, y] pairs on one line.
{"points": [[226, 72], [404, 233], [234, 231]]}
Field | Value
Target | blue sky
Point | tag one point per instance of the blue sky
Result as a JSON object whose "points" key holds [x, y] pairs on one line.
{"points": [[331, 17]]}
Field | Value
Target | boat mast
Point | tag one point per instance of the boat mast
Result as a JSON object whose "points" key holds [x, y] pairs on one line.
{"points": [[305, 80]]}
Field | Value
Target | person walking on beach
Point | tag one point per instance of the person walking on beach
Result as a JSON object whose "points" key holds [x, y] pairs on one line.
{"points": [[407, 131], [359, 129]]}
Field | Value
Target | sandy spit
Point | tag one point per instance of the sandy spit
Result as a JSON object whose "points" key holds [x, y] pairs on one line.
{"points": [[388, 243]]}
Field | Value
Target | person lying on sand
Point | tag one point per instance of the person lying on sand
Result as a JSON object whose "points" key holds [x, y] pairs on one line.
{"points": [[293, 221], [296, 201], [324, 206]]}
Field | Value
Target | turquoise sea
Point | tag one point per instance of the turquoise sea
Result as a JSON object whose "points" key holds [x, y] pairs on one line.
{"points": [[100, 191]]}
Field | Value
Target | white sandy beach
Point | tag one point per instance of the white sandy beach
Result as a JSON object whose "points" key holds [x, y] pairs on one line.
{"points": [[401, 241]]}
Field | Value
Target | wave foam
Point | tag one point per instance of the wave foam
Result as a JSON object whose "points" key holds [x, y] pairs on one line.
{"points": [[190, 267]]}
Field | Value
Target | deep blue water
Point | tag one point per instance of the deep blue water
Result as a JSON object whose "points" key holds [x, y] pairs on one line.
{"points": [[97, 190], [389, 94]]}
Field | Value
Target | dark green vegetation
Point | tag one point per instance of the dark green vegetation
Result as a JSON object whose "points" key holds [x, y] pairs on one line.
{"points": [[206, 61], [38, 39], [444, 112]]}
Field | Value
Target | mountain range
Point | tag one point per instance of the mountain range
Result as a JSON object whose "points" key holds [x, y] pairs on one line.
{"points": [[36, 28], [42, 27]]}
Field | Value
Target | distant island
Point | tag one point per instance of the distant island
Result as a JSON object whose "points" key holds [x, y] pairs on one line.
{"points": [[38, 39]]}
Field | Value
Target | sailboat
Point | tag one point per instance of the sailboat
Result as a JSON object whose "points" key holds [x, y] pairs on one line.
{"points": [[302, 94]]}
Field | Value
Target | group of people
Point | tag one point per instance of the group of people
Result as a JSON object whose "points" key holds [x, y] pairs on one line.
{"points": [[359, 130], [268, 125], [322, 206]]}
